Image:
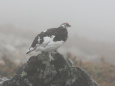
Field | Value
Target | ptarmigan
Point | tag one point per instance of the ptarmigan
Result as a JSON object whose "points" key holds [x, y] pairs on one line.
{"points": [[50, 40]]}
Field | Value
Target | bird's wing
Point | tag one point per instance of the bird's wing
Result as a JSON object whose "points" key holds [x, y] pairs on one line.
{"points": [[39, 39], [47, 36]]}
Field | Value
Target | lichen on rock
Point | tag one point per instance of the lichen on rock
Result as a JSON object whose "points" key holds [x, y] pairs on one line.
{"points": [[40, 71]]}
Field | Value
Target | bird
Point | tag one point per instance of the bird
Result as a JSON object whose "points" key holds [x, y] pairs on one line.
{"points": [[50, 39]]}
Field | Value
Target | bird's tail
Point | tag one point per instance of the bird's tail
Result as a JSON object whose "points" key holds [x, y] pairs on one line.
{"points": [[30, 50]]}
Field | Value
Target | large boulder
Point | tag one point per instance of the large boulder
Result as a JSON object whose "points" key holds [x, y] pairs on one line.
{"points": [[41, 71]]}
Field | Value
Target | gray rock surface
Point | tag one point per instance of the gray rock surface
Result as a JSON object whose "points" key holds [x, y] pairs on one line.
{"points": [[40, 71]]}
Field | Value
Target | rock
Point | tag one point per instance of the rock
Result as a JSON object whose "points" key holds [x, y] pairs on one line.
{"points": [[40, 71]]}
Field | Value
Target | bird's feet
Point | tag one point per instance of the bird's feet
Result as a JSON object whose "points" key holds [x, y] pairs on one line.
{"points": [[50, 56]]}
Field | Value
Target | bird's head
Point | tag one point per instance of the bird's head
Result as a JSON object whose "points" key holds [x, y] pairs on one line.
{"points": [[65, 25]]}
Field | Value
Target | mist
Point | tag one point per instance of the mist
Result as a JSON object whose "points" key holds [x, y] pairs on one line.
{"points": [[90, 44], [90, 37], [92, 19]]}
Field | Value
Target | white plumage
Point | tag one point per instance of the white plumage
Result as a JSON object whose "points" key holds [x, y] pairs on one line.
{"points": [[50, 40]]}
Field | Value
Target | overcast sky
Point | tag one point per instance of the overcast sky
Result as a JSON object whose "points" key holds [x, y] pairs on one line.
{"points": [[94, 19]]}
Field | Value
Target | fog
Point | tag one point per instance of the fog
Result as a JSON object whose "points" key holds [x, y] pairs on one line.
{"points": [[94, 19], [90, 43], [90, 37]]}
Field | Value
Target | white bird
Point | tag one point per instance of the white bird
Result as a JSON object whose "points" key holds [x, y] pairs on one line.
{"points": [[50, 40]]}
